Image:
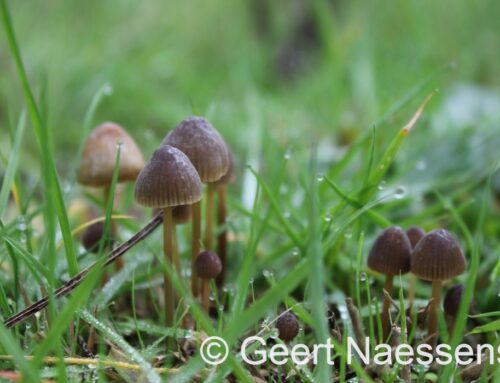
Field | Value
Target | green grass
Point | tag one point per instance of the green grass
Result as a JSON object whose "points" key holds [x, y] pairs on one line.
{"points": [[331, 162]]}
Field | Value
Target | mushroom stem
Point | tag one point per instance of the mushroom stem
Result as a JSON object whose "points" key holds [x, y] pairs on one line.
{"points": [[209, 217], [168, 251], [386, 323], [195, 246], [411, 289], [432, 325], [222, 237], [205, 292]]}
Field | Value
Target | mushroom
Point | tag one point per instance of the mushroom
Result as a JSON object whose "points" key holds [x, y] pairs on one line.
{"points": [[167, 180], [438, 257], [288, 326], [390, 255], [206, 149], [222, 183], [207, 266], [98, 161], [415, 234]]}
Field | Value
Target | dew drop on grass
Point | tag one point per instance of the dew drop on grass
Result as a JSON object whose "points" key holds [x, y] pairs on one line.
{"points": [[321, 178], [267, 273], [328, 218], [295, 251], [288, 154], [107, 89], [221, 308], [250, 281], [400, 192], [362, 276], [287, 215], [274, 333], [21, 223], [348, 233], [381, 185]]}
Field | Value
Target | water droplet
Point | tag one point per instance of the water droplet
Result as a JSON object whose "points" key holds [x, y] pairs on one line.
{"points": [[348, 233], [221, 308], [283, 189], [328, 218], [400, 192], [250, 281], [212, 297], [107, 89], [274, 333], [295, 251], [267, 273], [320, 178], [381, 185], [288, 154], [362, 276], [287, 215], [21, 223], [421, 165]]}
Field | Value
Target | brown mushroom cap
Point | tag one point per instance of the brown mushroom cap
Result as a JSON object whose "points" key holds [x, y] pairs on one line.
{"points": [[168, 179], [207, 265], [391, 252], [230, 175], [204, 146], [288, 326], [415, 234], [99, 154], [437, 257]]}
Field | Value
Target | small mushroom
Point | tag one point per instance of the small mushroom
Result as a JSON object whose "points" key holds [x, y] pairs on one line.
{"points": [[226, 179], [167, 180], [92, 236], [390, 255], [207, 267], [415, 234], [438, 257], [288, 326], [206, 149], [98, 160]]}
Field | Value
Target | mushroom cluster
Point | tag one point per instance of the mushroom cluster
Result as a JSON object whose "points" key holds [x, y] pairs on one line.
{"points": [[170, 182], [435, 257]]}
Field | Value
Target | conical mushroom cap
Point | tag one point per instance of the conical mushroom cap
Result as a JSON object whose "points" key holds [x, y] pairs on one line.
{"points": [[168, 179], [204, 146], [391, 252], [99, 154], [437, 257]]}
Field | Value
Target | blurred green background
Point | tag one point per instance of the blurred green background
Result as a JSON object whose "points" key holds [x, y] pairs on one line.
{"points": [[290, 69]]}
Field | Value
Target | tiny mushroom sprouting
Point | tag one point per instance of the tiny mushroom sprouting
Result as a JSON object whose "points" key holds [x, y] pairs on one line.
{"points": [[99, 156], [222, 183], [207, 267], [438, 257], [288, 326], [92, 236], [415, 234], [206, 149], [390, 255], [167, 180]]}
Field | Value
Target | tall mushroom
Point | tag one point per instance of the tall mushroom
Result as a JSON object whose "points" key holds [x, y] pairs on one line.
{"points": [[390, 255], [98, 160], [206, 149], [167, 180], [438, 257], [222, 183]]}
